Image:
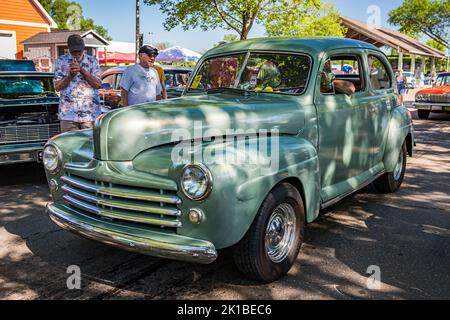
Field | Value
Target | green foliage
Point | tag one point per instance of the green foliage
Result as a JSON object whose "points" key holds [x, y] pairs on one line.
{"points": [[64, 12], [305, 18], [436, 45], [240, 15], [429, 17]]}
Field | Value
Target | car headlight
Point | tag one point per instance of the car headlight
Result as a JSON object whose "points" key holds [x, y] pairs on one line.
{"points": [[52, 158], [196, 181], [420, 97]]}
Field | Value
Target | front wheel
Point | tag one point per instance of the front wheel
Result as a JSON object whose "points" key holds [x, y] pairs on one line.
{"points": [[391, 181], [272, 244]]}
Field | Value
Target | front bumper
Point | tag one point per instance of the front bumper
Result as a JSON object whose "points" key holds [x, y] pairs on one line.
{"points": [[20, 154], [131, 238], [432, 106]]}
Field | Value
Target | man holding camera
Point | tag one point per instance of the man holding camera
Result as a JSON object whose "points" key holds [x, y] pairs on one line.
{"points": [[77, 78]]}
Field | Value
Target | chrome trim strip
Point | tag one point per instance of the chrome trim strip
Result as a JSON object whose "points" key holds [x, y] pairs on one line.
{"points": [[204, 254], [121, 205], [122, 192], [345, 195], [430, 105], [121, 216]]}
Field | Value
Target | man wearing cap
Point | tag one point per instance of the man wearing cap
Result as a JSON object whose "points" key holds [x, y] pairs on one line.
{"points": [[141, 82], [77, 78]]}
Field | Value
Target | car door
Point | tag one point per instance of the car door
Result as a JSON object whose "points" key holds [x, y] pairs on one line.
{"points": [[381, 100], [342, 120]]}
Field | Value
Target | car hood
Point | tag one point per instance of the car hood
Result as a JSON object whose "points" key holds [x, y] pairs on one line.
{"points": [[122, 134], [436, 90]]}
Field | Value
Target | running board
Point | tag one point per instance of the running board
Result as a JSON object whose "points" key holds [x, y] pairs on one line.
{"points": [[345, 195]]}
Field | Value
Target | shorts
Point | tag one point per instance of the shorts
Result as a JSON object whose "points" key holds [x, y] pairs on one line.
{"points": [[402, 92]]}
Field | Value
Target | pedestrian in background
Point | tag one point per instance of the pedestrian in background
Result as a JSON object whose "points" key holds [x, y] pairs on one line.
{"points": [[77, 78], [141, 82], [402, 87]]}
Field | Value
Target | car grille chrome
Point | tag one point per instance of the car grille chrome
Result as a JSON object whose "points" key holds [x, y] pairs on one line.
{"points": [[437, 98], [32, 133], [124, 203]]}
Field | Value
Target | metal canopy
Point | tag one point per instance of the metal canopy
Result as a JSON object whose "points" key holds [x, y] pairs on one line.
{"points": [[380, 37]]}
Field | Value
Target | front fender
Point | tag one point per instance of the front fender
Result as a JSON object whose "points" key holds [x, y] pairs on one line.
{"points": [[240, 189], [400, 126]]}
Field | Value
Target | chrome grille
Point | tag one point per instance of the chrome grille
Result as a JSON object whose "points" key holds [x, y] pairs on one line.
{"points": [[438, 98], [19, 134], [124, 203]]}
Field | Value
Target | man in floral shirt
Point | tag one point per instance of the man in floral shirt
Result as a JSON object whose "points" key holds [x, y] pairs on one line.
{"points": [[77, 78]]}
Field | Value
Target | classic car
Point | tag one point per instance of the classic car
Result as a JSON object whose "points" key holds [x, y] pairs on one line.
{"points": [[176, 80], [435, 99], [261, 140], [28, 111]]}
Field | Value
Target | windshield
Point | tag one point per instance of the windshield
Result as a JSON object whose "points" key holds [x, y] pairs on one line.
{"points": [[266, 72], [25, 87], [176, 79], [443, 80]]}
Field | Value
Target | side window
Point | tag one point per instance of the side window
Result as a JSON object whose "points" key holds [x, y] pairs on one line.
{"points": [[346, 74], [379, 75], [119, 78], [109, 80]]}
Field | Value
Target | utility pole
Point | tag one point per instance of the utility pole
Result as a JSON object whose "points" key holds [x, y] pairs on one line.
{"points": [[138, 29]]}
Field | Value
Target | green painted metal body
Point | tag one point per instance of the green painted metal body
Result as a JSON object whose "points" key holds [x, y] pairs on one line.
{"points": [[329, 146]]}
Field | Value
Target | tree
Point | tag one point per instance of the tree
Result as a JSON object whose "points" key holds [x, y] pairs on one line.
{"points": [[69, 15], [314, 19], [436, 45], [429, 17], [236, 15]]}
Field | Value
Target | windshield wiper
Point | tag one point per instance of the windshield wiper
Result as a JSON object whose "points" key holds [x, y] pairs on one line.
{"points": [[237, 91]]}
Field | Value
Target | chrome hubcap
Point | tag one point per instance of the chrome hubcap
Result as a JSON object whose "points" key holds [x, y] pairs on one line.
{"points": [[280, 233], [399, 167]]}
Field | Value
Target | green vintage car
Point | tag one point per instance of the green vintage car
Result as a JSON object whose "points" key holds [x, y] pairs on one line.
{"points": [[267, 133]]}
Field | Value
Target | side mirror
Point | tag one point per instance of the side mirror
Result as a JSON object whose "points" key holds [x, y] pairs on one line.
{"points": [[106, 86]]}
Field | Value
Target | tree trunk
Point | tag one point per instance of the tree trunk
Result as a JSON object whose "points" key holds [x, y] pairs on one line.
{"points": [[247, 25]]}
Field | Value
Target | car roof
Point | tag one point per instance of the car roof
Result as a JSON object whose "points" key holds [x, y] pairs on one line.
{"points": [[312, 45], [16, 65]]}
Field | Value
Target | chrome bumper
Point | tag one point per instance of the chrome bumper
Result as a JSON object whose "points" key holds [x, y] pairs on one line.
{"points": [[432, 106], [174, 247]]}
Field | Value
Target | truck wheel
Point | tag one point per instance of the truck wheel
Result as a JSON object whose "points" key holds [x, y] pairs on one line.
{"points": [[391, 181], [423, 114], [272, 244]]}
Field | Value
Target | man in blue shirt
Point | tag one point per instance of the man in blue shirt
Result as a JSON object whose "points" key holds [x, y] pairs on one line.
{"points": [[141, 83], [77, 78]]}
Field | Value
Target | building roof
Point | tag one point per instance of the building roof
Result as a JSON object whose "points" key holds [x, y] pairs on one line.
{"points": [[311, 45], [44, 12], [380, 36], [91, 38]]}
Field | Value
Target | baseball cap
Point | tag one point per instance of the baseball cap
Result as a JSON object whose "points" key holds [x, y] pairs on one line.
{"points": [[148, 50], [75, 43]]}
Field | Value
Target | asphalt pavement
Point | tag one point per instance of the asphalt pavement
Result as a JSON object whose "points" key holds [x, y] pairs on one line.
{"points": [[405, 236]]}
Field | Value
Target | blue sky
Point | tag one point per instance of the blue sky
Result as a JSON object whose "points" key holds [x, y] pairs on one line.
{"points": [[118, 17]]}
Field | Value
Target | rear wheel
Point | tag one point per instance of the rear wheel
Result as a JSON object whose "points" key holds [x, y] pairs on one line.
{"points": [[391, 182], [271, 246], [423, 114]]}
